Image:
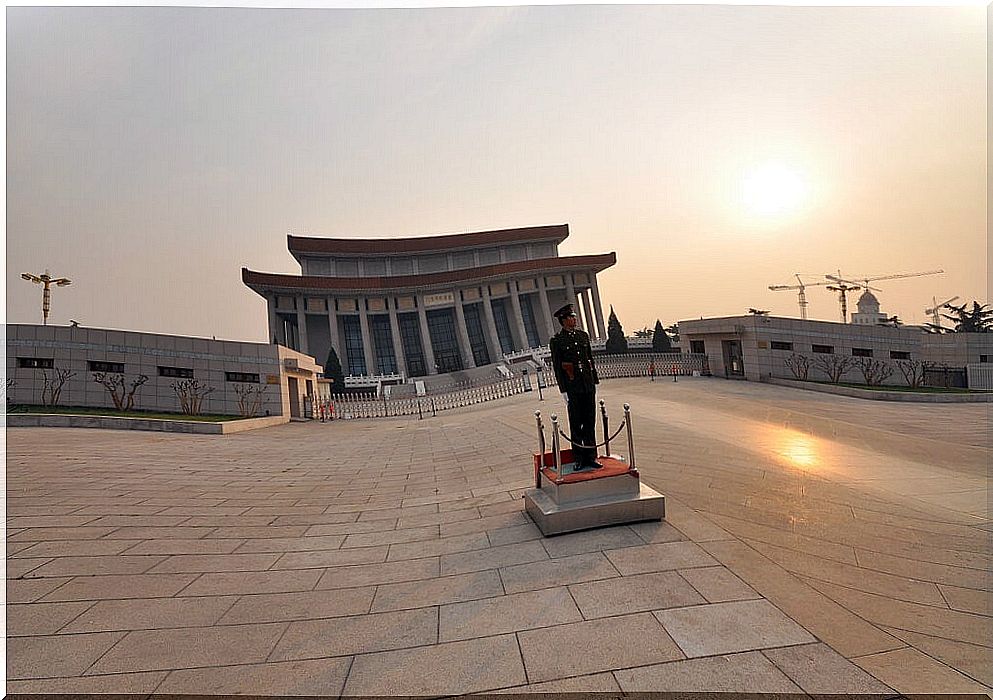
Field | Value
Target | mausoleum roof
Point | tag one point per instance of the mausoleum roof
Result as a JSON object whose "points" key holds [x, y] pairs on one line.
{"points": [[262, 281], [426, 244]]}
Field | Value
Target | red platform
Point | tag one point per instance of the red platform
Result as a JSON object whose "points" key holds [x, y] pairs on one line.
{"points": [[611, 467]]}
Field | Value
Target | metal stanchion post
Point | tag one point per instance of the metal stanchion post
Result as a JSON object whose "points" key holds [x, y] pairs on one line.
{"points": [[627, 422], [541, 450], [555, 447], [606, 429]]}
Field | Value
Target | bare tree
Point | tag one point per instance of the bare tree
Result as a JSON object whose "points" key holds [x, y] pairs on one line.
{"points": [[9, 393], [249, 398], [116, 385], [191, 394], [799, 365], [834, 366], [875, 371], [913, 371], [51, 391]]}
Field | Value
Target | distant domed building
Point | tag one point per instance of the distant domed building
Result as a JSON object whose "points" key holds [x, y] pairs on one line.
{"points": [[868, 313]]}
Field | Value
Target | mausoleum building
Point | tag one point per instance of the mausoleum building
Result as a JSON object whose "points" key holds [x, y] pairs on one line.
{"points": [[424, 305]]}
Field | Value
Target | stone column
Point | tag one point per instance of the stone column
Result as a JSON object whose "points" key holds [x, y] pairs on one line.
{"points": [[584, 299], [597, 307], [515, 302], [370, 358], [302, 325], [463, 333], [335, 335], [426, 336], [397, 342], [496, 350], [270, 300], [570, 294], [550, 322]]}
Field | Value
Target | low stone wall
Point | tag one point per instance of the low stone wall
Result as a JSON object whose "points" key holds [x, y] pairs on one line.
{"points": [[881, 395], [64, 420]]}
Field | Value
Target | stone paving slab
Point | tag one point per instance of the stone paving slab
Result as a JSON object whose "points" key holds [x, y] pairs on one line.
{"points": [[717, 584], [659, 557], [191, 647], [819, 670], [55, 656], [749, 672], [437, 591], [510, 613], [584, 648], [456, 667], [318, 677], [809, 547], [308, 605], [150, 613], [251, 582], [722, 628], [578, 568], [41, 618], [358, 635], [120, 587], [629, 594]]}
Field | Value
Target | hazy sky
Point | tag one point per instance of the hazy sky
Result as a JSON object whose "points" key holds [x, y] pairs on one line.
{"points": [[153, 152]]}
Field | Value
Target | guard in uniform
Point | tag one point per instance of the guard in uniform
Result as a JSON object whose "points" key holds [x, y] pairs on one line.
{"points": [[572, 360]]}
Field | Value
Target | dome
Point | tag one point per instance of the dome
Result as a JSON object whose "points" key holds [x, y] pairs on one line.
{"points": [[868, 303]]}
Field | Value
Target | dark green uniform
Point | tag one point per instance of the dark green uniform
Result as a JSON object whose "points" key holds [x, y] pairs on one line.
{"points": [[572, 360]]}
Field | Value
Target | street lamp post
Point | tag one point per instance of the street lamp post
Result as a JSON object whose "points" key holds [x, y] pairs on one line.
{"points": [[46, 296]]}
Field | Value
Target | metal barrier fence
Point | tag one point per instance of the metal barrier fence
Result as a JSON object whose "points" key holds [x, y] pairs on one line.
{"points": [[350, 406]]}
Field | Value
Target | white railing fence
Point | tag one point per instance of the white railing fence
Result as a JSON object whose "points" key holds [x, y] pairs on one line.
{"points": [[368, 405]]}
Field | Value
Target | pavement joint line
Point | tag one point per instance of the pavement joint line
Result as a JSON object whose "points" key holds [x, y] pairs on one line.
{"points": [[869, 568]]}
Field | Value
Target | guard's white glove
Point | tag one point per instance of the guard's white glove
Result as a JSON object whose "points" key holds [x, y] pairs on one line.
{"points": [[565, 398]]}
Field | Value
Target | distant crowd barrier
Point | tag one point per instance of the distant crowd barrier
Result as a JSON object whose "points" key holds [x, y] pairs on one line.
{"points": [[367, 405], [651, 364]]}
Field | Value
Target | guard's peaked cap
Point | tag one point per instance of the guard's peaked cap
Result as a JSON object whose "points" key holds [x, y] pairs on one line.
{"points": [[565, 311]]}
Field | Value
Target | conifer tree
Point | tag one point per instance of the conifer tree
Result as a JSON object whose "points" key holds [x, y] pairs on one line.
{"points": [[660, 339], [617, 344], [333, 371]]}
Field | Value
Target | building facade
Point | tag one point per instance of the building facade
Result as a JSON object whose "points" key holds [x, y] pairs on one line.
{"points": [[251, 379], [754, 347], [428, 305]]}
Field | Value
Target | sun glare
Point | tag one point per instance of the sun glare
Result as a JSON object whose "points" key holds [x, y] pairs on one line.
{"points": [[773, 189]]}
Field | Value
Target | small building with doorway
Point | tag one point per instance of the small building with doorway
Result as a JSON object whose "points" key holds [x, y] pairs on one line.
{"points": [[236, 378], [419, 306], [754, 347]]}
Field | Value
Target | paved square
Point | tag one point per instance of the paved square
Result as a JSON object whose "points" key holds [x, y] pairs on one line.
{"points": [[813, 543]]}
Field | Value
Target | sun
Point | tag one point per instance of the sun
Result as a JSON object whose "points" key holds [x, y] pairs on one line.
{"points": [[773, 188]]}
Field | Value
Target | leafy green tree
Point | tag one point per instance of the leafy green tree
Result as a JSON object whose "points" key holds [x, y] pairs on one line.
{"points": [[645, 332], [660, 339], [617, 344], [333, 371], [978, 319], [673, 332]]}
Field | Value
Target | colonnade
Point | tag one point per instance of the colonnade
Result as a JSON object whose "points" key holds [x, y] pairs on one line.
{"points": [[586, 301]]}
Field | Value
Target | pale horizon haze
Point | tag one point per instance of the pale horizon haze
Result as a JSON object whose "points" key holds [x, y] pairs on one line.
{"points": [[154, 152]]}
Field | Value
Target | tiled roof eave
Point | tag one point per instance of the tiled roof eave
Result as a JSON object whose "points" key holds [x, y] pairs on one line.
{"points": [[305, 245], [263, 281]]}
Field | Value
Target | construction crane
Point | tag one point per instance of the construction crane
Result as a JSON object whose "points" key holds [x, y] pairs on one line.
{"points": [[933, 311], [843, 286], [46, 296], [800, 295]]}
